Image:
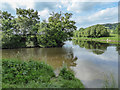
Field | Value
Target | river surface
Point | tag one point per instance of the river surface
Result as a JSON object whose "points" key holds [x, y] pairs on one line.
{"points": [[92, 62]]}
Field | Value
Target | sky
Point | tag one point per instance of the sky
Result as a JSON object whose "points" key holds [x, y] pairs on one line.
{"points": [[85, 12]]}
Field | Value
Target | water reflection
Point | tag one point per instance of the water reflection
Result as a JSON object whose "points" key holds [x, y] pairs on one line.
{"points": [[91, 67], [89, 60], [118, 48], [53, 56], [96, 47]]}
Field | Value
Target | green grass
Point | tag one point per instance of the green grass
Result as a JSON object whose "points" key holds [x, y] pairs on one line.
{"points": [[112, 39], [33, 74], [109, 81]]}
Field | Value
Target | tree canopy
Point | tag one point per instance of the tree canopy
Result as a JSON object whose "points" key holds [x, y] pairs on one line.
{"points": [[58, 29], [26, 27], [92, 31]]}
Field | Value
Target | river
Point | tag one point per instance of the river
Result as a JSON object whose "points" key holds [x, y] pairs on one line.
{"points": [[92, 62]]}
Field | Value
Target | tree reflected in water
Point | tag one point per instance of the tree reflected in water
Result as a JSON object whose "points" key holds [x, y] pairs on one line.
{"points": [[118, 48], [96, 47]]}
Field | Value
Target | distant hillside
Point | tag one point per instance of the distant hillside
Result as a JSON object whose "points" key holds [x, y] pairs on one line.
{"points": [[111, 26]]}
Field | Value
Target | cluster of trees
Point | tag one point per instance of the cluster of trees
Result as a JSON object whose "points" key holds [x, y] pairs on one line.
{"points": [[113, 28], [15, 31], [115, 31], [58, 29], [26, 27], [92, 31]]}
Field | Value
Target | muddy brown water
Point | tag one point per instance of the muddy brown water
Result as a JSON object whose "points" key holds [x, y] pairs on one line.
{"points": [[90, 61]]}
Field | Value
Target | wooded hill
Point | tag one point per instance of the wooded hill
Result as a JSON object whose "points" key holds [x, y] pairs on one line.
{"points": [[111, 26]]}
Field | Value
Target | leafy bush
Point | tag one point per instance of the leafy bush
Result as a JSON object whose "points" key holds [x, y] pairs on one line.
{"points": [[31, 74], [15, 72], [68, 79], [66, 74], [14, 41]]}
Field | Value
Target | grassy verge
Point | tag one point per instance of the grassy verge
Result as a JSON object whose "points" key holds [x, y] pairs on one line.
{"points": [[33, 74], [112, 39], [109, 81]]}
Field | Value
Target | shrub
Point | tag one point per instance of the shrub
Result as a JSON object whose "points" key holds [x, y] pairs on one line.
{"points": [[15, 72], [32, 74], [14, 41], [66, 74]]}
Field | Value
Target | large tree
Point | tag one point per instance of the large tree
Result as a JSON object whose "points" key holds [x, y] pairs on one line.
{"points": [[58, 29], [7, 23], [28, 21], [10, 37]]}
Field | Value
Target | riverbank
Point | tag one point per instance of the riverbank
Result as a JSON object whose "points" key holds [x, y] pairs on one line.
{"points": [[34, 74], [112, 39]]}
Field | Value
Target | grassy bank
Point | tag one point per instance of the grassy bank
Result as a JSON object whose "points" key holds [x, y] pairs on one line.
{"points": [[33, 74], [112, 39]]}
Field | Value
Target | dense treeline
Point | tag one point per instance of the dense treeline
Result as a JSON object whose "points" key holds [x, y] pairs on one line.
{"points": [[26, 28], [92, 31], [113, 28]]}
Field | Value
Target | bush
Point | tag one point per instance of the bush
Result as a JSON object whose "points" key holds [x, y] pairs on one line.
{"points": [[15, 72], [31, 74], [14, 41], [66, 74], [68, 79]]}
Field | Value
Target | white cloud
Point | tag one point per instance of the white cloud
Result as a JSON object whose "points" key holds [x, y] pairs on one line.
{"points": [[103, 16], [81, 6], [19, 3], [108, 15], [59, 6], [44, 14], [90, 0]]}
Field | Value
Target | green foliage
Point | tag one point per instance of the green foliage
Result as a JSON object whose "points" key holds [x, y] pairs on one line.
{"points": [[32, 74], [45, 36], [66, 74], [92, 31], [12, 42], [15, 72], [73, 84], [58, 29], [112, 39], [115, 31], [16, 30], [111, 26], [69, 79], [10, 37], [109, 81], [7, 21], [53, 33], [27, 19]]}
